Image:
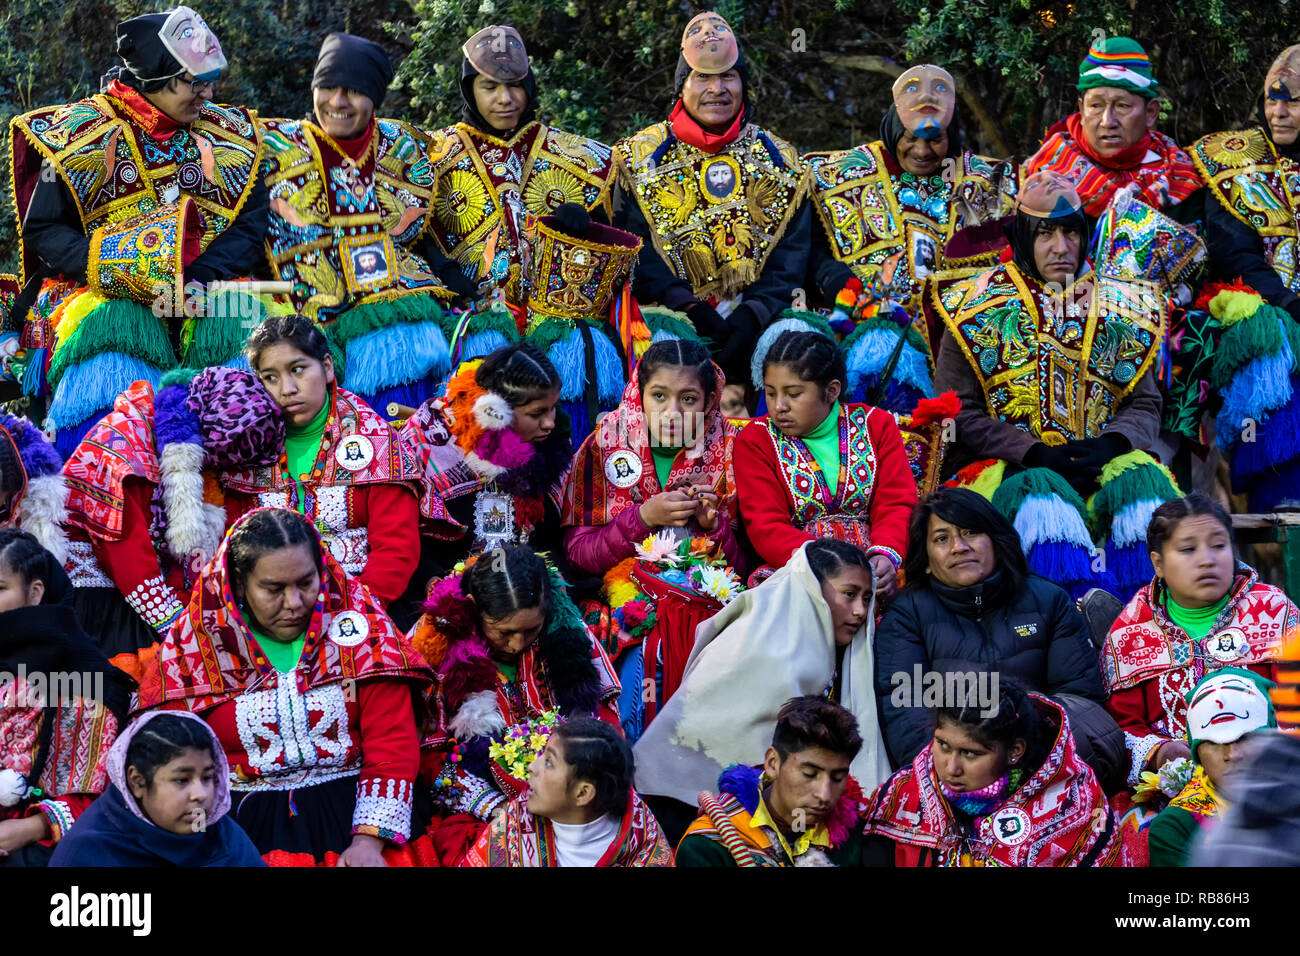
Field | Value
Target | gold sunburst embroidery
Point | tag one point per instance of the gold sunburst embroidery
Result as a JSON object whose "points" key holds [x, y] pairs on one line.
{"points": [[1237, 149], [460, 202], [548, 189]]}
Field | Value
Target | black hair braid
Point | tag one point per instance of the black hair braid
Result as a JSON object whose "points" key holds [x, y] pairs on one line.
{"points": [[266, 531], [292, 329], [1165, 519], [829, 556], [598, 754], [811, 356], [508, 579], [164, 739], [23, 555], [520, 372], [678, 353]]}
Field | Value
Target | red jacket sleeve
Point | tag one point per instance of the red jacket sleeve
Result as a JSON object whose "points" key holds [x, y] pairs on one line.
{"points": [[390, 760], [764, 501], [392, 517], [894, 494], [132, 562]]}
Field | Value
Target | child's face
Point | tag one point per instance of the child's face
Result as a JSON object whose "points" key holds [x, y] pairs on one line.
{"points": [[15, 592], [181, 796], [675, 406], [550, 793]]}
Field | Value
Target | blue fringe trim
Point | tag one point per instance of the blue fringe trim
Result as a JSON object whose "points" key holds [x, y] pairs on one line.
{"points": [[1258, 389], [765, 343], [663, 335], [413, 394], [1129, 566], [1275, 486], [1129, 526], [568, 359], [480, 344], [88, 390], [631, 702], [870, 354], [396, 355], [1068, 565], [1277, 441], [34, 374], [67, 439]]}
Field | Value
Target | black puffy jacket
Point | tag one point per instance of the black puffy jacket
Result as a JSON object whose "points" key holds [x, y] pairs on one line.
{"points": [[1034, 636]]}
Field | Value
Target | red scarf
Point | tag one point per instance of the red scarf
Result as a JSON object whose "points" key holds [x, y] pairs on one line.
{"points": [[693, 134], [1126, 158], [356, 147], [144, 114]]}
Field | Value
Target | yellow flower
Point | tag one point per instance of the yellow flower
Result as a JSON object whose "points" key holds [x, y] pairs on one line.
{"points": [[537, 742]]}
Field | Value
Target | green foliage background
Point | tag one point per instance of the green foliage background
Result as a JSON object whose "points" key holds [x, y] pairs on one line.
{"points": [[821, 69]]}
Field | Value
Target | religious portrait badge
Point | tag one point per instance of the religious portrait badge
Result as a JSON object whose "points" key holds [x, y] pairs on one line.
{"points": [[349, 629], [354, 452], [368, 262], [1227, 645], [720, 179], [494, 520], [1011, 826], [922, 252], [622, 469]]}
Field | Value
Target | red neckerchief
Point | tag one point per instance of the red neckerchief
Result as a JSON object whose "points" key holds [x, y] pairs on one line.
{"points": [[148, 117], [1126, 158], [693, 134], [356, 148]]}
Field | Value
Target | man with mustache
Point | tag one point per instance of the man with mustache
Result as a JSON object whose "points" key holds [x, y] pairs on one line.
{"points": [[350, 200], [728, 258], [1010, 333], [889, 206], [154, 189]]}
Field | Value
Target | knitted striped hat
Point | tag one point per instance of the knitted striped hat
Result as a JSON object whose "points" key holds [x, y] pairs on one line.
{"points": [[1121, 63]]}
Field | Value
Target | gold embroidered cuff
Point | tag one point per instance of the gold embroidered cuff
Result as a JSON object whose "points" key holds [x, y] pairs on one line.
{"points": [[143, 258]]}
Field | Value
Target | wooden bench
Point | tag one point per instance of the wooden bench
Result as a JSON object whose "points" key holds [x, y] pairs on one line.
{"points": [[1282, 527]]}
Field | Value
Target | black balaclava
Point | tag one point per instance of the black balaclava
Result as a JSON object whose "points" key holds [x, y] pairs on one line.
{"points": [[891, 131], [354, 63], [469, 111], [148, 65]]}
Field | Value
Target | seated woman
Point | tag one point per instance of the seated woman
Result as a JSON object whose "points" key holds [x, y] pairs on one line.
{"points": [[1004, 790], [580, 808], [1203, 611], [51, 751], [971, 607], [806, 630], [141, 517], [494, 452], [167, 805], [661, 462], [315, 696], [508, 646], [817, 469], [342, 465], [1223, 710]]}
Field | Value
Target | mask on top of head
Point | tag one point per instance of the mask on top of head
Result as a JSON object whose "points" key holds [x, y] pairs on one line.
{"points": [[193, 44], [925, 98], [1282, 82], [498, 53], [709, 44]]}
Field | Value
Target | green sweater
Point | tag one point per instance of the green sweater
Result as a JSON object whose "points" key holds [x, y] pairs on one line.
{"points": [[1195, 621], [283, 655], [824, 443]]}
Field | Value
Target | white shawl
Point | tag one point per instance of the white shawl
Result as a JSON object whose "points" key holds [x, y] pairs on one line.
{"points": [[768, 645]]}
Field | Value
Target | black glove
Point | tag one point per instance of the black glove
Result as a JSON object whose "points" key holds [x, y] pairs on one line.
{"points": [[573, 219], [1095, 453], [708, 323], [742, 336], [1047, 456]]}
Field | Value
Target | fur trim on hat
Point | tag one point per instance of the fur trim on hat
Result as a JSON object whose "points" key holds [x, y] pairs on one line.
{"points": [[482, 467], [188, 531], [493, 412], [43, 511], [479, 715]]}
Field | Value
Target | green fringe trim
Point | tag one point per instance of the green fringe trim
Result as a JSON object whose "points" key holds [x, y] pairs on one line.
{"points": [[815, 319], [1013, 491], [674, 323], [228, 320], [178, 376], [1133, 476], [550, 332], [562, 614], [369, 316], [498, 318], [1245, 341], [118, 325], [914, 337]]}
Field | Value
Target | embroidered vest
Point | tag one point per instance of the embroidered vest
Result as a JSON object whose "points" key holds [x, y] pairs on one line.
{"points": [[1259, 188], [714, 218], [485, 187], [341, 231], [845, 514], [878, 217], [115, 171], [1055, 375]]}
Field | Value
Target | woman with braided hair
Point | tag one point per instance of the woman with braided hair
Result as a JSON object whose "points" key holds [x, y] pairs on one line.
{"points": [[508, 647], [316, 696], [493, 452], [816, 468]]}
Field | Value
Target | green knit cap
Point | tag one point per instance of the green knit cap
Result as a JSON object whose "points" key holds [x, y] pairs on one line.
{"points": [[1121, 63]]}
